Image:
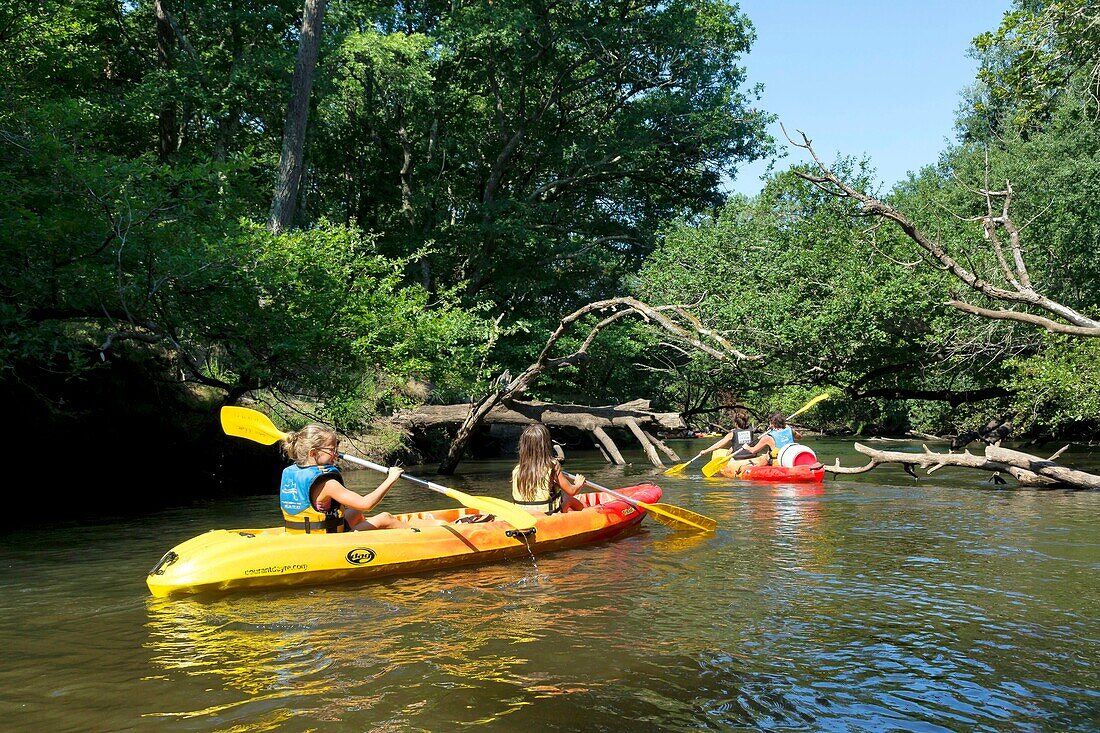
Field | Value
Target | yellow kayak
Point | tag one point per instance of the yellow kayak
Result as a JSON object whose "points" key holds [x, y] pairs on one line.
{"points": [[228, 559]]}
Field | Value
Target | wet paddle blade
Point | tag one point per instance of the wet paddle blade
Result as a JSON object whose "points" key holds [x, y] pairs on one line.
{"points": [[666, 514], [241, 422], [681, 466], [714, 465], [679, 518], [676, 469]]}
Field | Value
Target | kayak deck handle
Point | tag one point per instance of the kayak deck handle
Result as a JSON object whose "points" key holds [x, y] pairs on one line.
{"points": [[169, 558]]}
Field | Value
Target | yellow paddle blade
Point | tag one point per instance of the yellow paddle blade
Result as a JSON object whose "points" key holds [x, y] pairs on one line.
{"points": [[509, 512], [677, 468], [679, 518], [718, 459], [681, 466], [715, 465], [808, 405], [241, 422]]}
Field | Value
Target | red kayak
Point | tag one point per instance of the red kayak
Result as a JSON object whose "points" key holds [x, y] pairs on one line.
{"points": [[782, 474], [797, 465]]}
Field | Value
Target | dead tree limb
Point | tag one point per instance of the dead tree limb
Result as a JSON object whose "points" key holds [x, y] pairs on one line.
{"points": [[674, 319], [1027, 469], [643, 439], [1017, 288], [635, 415], [1045, 467], [604, 440]]}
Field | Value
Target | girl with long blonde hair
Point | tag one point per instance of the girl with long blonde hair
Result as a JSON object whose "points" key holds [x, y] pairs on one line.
{"points": [[538, 483]]}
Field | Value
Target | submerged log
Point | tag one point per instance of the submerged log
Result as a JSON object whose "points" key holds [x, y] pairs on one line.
{"points": [[1027, 469], [633, 416]]}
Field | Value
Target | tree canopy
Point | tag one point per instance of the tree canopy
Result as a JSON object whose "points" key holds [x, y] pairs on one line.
{"points": [[472, 172]]}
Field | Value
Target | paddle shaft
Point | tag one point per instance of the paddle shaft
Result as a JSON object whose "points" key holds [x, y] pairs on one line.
{"points": [[382, 469], [519, 518], [693, 520], [606, 490], [698, 455]]}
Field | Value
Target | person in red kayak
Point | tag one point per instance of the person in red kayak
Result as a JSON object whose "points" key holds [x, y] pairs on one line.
{"points": [[738, 438], [779, 436], [538, 483], [313, 497]]}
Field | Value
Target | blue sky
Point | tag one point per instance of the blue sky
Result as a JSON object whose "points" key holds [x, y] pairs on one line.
{"points": [[875, 79]]}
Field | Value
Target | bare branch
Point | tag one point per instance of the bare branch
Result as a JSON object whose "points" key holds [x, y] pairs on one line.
{"points": [[1027, 469], [1005, 315], [671, 318], [1016, 275]]}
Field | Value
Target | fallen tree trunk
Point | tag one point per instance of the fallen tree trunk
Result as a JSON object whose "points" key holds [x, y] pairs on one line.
{"points": [[633, 416], [673, 319], [1045, 467], [1027, 469]]}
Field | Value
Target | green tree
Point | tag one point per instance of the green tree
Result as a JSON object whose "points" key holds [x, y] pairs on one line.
{"points": [[1041, 52], [534, 150], [790, 275]]}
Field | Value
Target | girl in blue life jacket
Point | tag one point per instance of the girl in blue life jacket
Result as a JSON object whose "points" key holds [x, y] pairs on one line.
{"points": [[538, 484], [313, 497]]}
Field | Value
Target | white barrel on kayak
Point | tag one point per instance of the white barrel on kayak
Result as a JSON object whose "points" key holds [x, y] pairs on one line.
{"points": [[796, 454]]}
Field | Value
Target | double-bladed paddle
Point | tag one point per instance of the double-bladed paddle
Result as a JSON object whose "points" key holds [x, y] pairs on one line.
{"points": [[716, 464], [667, 514], [243, 422]]}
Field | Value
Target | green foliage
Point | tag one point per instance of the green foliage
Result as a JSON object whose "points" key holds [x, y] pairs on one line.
{"points": [[795, 277], [1059, 388], [536, 148], [475, 171], [106, 248], [1040, 52], [331, 316]]}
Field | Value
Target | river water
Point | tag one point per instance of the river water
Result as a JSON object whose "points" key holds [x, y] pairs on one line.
{"points": [[877, 602]]}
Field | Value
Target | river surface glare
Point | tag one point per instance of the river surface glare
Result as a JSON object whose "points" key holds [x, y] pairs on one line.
{"points": [[877, 602]]}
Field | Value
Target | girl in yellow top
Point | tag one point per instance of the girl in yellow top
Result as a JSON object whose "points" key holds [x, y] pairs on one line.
{"points": [[538, 484]]}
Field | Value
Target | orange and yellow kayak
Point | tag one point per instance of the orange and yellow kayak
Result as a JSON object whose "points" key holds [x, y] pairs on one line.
{"points": [[228, 559]]}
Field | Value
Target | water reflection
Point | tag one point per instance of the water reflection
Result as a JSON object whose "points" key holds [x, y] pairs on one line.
{"points": [[348, 649], [785, 521], [882, 603]]}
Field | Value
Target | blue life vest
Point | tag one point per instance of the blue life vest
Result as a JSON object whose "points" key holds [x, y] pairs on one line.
{"points": [[299, 514], [781, 437]]}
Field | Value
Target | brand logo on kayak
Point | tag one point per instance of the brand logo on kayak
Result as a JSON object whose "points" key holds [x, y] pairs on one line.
{"points": [[629, 510], [360, 556]]}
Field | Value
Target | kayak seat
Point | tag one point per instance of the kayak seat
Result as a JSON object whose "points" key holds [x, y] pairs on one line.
{"points": [[475, 519]]}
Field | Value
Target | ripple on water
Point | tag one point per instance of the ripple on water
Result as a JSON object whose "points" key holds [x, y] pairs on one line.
{"points": [[923, 605]]}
